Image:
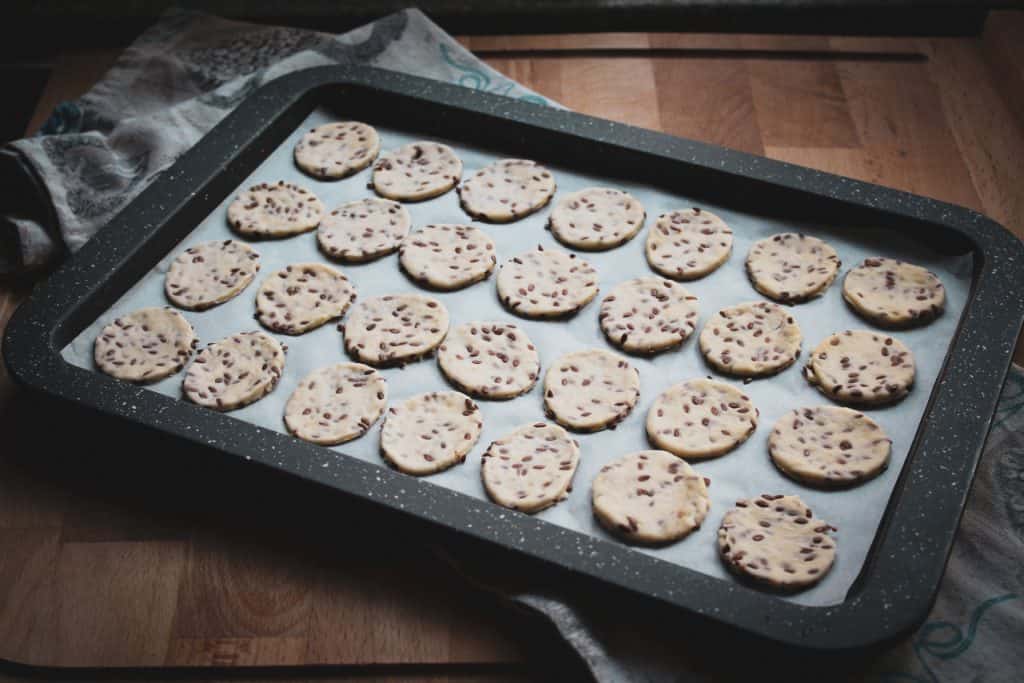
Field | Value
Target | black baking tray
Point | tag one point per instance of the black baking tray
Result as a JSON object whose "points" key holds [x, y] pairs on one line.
{"points": [[901, 574]]}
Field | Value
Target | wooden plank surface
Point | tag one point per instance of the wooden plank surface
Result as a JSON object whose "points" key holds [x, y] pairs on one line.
{"points": [[85, 581]]}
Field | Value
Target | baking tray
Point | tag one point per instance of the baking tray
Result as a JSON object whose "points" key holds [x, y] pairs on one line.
{"points": [[888, 592]]}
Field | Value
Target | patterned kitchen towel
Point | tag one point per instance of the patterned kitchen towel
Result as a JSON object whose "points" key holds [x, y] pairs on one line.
{"points": [[975, 631], [171, 86]]}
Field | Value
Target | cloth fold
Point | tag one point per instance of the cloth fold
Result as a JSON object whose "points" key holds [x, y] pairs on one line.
{"points": [[189, 70], [170, 87]]}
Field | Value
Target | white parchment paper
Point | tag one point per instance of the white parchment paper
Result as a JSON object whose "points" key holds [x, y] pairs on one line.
{"points": [[743, 473]]}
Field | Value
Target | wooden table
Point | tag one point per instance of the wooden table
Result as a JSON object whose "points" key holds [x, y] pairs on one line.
{"points": [[86, 580]]}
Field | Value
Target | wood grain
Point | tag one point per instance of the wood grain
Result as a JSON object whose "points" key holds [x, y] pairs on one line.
{"points": [[86, 580]]}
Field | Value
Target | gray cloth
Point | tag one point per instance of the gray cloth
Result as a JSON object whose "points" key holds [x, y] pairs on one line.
{"points": [[170, 87], [188, 71]]}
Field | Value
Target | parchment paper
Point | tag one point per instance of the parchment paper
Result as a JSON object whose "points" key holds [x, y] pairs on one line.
{"points": [[743, 473]]}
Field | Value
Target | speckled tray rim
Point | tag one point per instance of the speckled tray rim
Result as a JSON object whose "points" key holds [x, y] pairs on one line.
{"points": [[902, 572]]}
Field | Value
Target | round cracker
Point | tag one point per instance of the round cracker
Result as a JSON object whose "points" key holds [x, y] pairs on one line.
{"points": [[507, 190], [531, 468], [363, 230], [448, 257], [650, 497], [417, 171], [546, 283], [302, 297], [791, 267], [701, 418], [337, 150], [892, 293], [590, 390], [210, 273], [234, 372], [648, 314], [752, 339], [860, 367], [829, 446], [777, 542], [394, 329], [430, 432], [145, 346], [688, 244], [596, 219], [275, 210], [335, 404], [489, 359]]}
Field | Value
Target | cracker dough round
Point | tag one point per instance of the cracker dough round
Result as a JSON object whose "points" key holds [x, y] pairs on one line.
{"points": [[701, 418], [448, 257], [791, 267], [892, 293], [507, 190], [829, 446], [430, 432], [688, 244], [363, 230], [146, 345], [337, 150], [862, 368], [489, 359], [302, 297], [394, 329], [776, 541], [417, 171], [590, 390], [648, 314], [546, 283], [335, 404], [751, 340], [210, 273], [531, 468], [596, 219], [650, 497], [234, 372], [278, 210]]}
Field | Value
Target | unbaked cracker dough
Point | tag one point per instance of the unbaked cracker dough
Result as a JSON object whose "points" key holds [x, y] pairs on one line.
{"points": [[489, 359], [275, 210], [430, 432], [650, 497], [590, 390], [337, 150], [447, 256], [751, 339], [531, 468], [688, 244], [302, 297], [648, 314], [829, 446], [336, 404], [394, 329], [210, 273], [363, 230], [546, 283], [776, 541], [791, 267], [596, 219], [860, 367], [417, 171], [507, 190], [146, 345], [234, 372], [893, 293], [701, 418]]}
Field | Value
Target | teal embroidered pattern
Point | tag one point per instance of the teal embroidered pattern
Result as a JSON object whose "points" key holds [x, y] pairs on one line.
{"points": [[943, 640], [471, 76]]}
